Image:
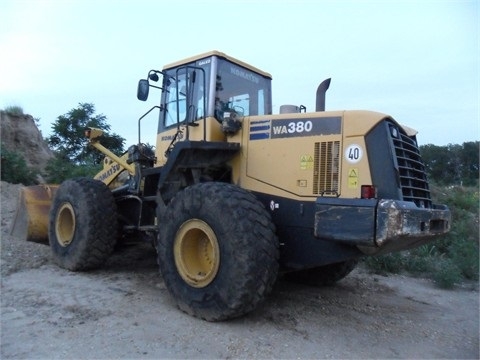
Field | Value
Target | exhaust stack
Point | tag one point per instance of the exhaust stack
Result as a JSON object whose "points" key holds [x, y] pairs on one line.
{"points": [[321, 90]]}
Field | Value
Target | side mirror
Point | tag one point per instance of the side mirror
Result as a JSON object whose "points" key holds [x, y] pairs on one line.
{"points": [[142, 90]]}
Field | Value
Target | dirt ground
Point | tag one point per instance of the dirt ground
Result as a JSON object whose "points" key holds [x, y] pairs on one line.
{"points": [[123, 311]]}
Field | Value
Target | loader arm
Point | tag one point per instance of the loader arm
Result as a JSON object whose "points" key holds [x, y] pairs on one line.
{"points": [[112, 169], [113, 165]]}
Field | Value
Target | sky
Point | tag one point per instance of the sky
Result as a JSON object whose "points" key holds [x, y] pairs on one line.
{"points": [[415, 60]]}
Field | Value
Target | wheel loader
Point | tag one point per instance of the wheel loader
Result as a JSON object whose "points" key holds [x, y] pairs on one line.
{"points": [[232, 195]]}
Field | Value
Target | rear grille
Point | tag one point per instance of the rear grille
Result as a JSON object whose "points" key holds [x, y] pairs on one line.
{"points": [[411, 170], [326, 168]]}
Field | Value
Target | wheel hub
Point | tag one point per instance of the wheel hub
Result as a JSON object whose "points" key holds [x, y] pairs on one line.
{"points": [[65, 224], [196, 253]]}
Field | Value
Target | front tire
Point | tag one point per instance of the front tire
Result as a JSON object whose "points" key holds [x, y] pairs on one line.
{"points": [[217, 251], [83, 224]]}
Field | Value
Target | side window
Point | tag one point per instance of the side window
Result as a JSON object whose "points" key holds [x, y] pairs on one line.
{"points": [[176, 108], [185, 96]]}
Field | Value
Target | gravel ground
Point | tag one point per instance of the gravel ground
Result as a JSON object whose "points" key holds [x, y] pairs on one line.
{"points": [[123, 311]]}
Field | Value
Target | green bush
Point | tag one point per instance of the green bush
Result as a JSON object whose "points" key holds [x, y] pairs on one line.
{"points": [[458, 198], [446, 273], [14, 168], [59, 169], [420, 260], [388, 263], [464, 253]]}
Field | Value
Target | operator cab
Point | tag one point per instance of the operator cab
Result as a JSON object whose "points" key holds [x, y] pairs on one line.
{"points": [[202, 99], [209, 86]]}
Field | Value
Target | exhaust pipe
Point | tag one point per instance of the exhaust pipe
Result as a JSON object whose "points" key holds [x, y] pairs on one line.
{"points": [[321, 90]]}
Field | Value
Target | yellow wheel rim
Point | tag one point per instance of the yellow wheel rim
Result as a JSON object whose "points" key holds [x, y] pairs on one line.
{"points": [[65, 224], [196, 253]]}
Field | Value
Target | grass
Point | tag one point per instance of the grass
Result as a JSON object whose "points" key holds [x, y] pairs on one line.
{"points": [[14, 110]]}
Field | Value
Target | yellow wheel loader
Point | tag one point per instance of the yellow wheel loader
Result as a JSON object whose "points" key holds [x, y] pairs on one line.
{"points": [[233, 193]]}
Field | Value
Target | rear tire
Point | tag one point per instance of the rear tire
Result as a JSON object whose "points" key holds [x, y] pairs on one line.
{"points": [[217, 251], [326, 275], [83, 224]]}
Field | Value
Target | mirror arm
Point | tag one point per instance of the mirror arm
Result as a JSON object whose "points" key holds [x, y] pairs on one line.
{"points": [[157, 87]]}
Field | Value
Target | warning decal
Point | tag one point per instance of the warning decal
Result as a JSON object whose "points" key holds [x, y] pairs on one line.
{"points": [[306, 162], [353, 178]]}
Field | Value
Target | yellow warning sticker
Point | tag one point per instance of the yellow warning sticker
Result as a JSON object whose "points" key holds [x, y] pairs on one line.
{"points": [[353, 178], [306, 162]]}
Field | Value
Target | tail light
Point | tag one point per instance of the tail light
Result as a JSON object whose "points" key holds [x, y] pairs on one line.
{"points": [[368, 192]]}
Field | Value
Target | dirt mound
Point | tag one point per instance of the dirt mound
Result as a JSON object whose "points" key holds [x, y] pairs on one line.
{"points": [[9, 203], [20, 134]]}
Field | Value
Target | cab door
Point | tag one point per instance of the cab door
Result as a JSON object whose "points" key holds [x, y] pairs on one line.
{"points": [[183, 109]]}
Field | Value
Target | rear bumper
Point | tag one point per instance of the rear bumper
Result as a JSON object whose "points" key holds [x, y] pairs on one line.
{"points": [[379, 226]]}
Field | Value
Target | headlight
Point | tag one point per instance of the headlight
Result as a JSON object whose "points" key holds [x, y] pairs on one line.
{"points": [[394, 132]]}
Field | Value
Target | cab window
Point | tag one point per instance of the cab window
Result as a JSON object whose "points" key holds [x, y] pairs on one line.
{"points": [[175, 107], [184, 92], [241, 90]]}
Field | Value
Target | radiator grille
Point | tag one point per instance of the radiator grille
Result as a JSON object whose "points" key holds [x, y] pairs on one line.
{"points": [[411, 170], [326, 168]]}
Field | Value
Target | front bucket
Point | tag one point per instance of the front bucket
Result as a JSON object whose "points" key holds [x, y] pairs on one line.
{"points": [[31, 219]]}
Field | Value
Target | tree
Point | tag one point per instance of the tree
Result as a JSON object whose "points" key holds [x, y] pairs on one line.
{"points": [[68, 138], [73, 155], [435, 159], [470, 158], [452, 164]]}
